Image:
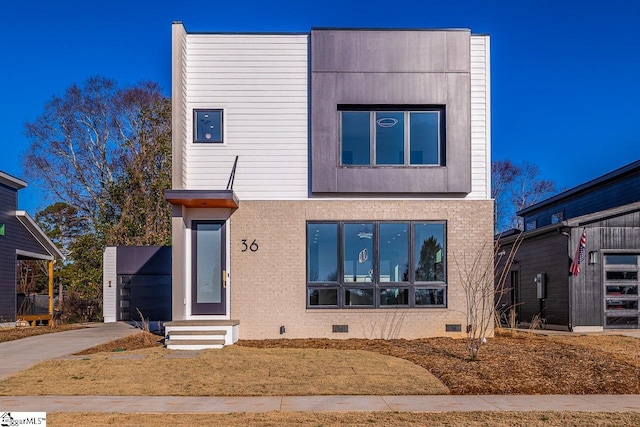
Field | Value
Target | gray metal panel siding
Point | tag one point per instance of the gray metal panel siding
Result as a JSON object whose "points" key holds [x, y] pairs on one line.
{"points": [[390, 67], [16, 237], [143, 260], [389, 51], [620, 192]]}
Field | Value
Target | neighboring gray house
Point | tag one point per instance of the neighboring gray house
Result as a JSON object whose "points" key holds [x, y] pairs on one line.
{"points": [[20, 239], [604, 293]]}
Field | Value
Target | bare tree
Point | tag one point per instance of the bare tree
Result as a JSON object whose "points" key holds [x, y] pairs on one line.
{"points": [[503, 174], [513, 188], [83, 140], [483, 275], [528, 189], [62, 224], [103, 153], [138, 213]]}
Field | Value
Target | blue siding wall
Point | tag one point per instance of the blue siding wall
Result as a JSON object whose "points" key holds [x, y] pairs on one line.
{"points": [[16, 236], [618, 192]]}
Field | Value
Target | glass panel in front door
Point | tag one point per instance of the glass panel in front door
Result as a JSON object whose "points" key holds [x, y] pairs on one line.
{"points": [[208, 282]]}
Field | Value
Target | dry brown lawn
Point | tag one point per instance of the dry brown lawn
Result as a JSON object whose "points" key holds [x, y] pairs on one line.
{"points": [[390, 419], [231, 371], [10, 334]]}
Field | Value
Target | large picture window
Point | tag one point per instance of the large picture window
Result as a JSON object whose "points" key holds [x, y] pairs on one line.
{"points": [[376, 264], [387, 136]]}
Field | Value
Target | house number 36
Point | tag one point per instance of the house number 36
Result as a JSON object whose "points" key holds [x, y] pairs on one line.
{"points": [[253, 246]]}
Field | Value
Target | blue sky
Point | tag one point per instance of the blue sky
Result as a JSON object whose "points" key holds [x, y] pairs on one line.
{"points": [[565, 74]]}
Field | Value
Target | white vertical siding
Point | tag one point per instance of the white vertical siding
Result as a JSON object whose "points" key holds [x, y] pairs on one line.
{"points": [[109, 293], [480, 119], [260, 81]]}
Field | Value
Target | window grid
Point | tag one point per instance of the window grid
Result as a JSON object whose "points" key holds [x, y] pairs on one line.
{"points": [[343, 289], [621, 290], [373, 137]]}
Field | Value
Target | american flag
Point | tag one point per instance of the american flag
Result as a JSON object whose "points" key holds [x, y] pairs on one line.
{"points": [[575, 265]]}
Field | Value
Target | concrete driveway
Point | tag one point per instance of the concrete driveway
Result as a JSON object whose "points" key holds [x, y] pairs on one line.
{"points": [[20, 354]]}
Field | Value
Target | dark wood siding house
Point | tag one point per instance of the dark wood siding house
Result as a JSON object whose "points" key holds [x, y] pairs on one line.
{"points": [[605, 291], [20, 238]]}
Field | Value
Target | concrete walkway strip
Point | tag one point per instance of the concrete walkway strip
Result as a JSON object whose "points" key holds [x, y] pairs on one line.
{"points": [[178, 404], [21, 354]]}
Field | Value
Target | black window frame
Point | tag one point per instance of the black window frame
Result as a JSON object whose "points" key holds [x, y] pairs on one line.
{"points": [[196, 140], [411, 285], [395, 108]]}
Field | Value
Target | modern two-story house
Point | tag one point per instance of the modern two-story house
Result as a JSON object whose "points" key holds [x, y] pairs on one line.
{"points": [[326, 184]]}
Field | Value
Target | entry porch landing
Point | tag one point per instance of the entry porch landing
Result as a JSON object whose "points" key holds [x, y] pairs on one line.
{"points": [[200, 334]]}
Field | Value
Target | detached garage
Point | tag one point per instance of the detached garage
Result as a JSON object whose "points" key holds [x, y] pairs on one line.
{"points": [[137, 280]]}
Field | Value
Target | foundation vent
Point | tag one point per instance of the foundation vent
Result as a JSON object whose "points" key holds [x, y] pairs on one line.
{"points": [[453, 328], [340, 328]]}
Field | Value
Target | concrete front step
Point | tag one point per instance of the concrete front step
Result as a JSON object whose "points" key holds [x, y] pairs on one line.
{"points": [[199, 344], [180, 323], [195, 335], [200, 334]]}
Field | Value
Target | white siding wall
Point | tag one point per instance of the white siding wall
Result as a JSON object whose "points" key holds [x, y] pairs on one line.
{"points": [[109, 292], [260, 81], [183, 108], [480, 119]]}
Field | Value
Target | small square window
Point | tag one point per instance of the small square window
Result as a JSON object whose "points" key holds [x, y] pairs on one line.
{"points": [[557, 217], [207, 126]]}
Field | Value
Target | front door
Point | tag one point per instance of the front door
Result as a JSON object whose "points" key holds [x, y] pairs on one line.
{"points": [[208, 281]]}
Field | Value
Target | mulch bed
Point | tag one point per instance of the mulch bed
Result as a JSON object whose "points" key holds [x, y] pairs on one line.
{"points": [[138, 341], [519, 364], [506, 365]]}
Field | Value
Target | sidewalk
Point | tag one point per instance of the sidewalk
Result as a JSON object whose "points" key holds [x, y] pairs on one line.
{"points": [[20, 354], [175, 404]]}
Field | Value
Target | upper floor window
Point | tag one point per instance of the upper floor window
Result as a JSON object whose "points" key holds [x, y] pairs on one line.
{"points": [[207, 126], [387, 136]]}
